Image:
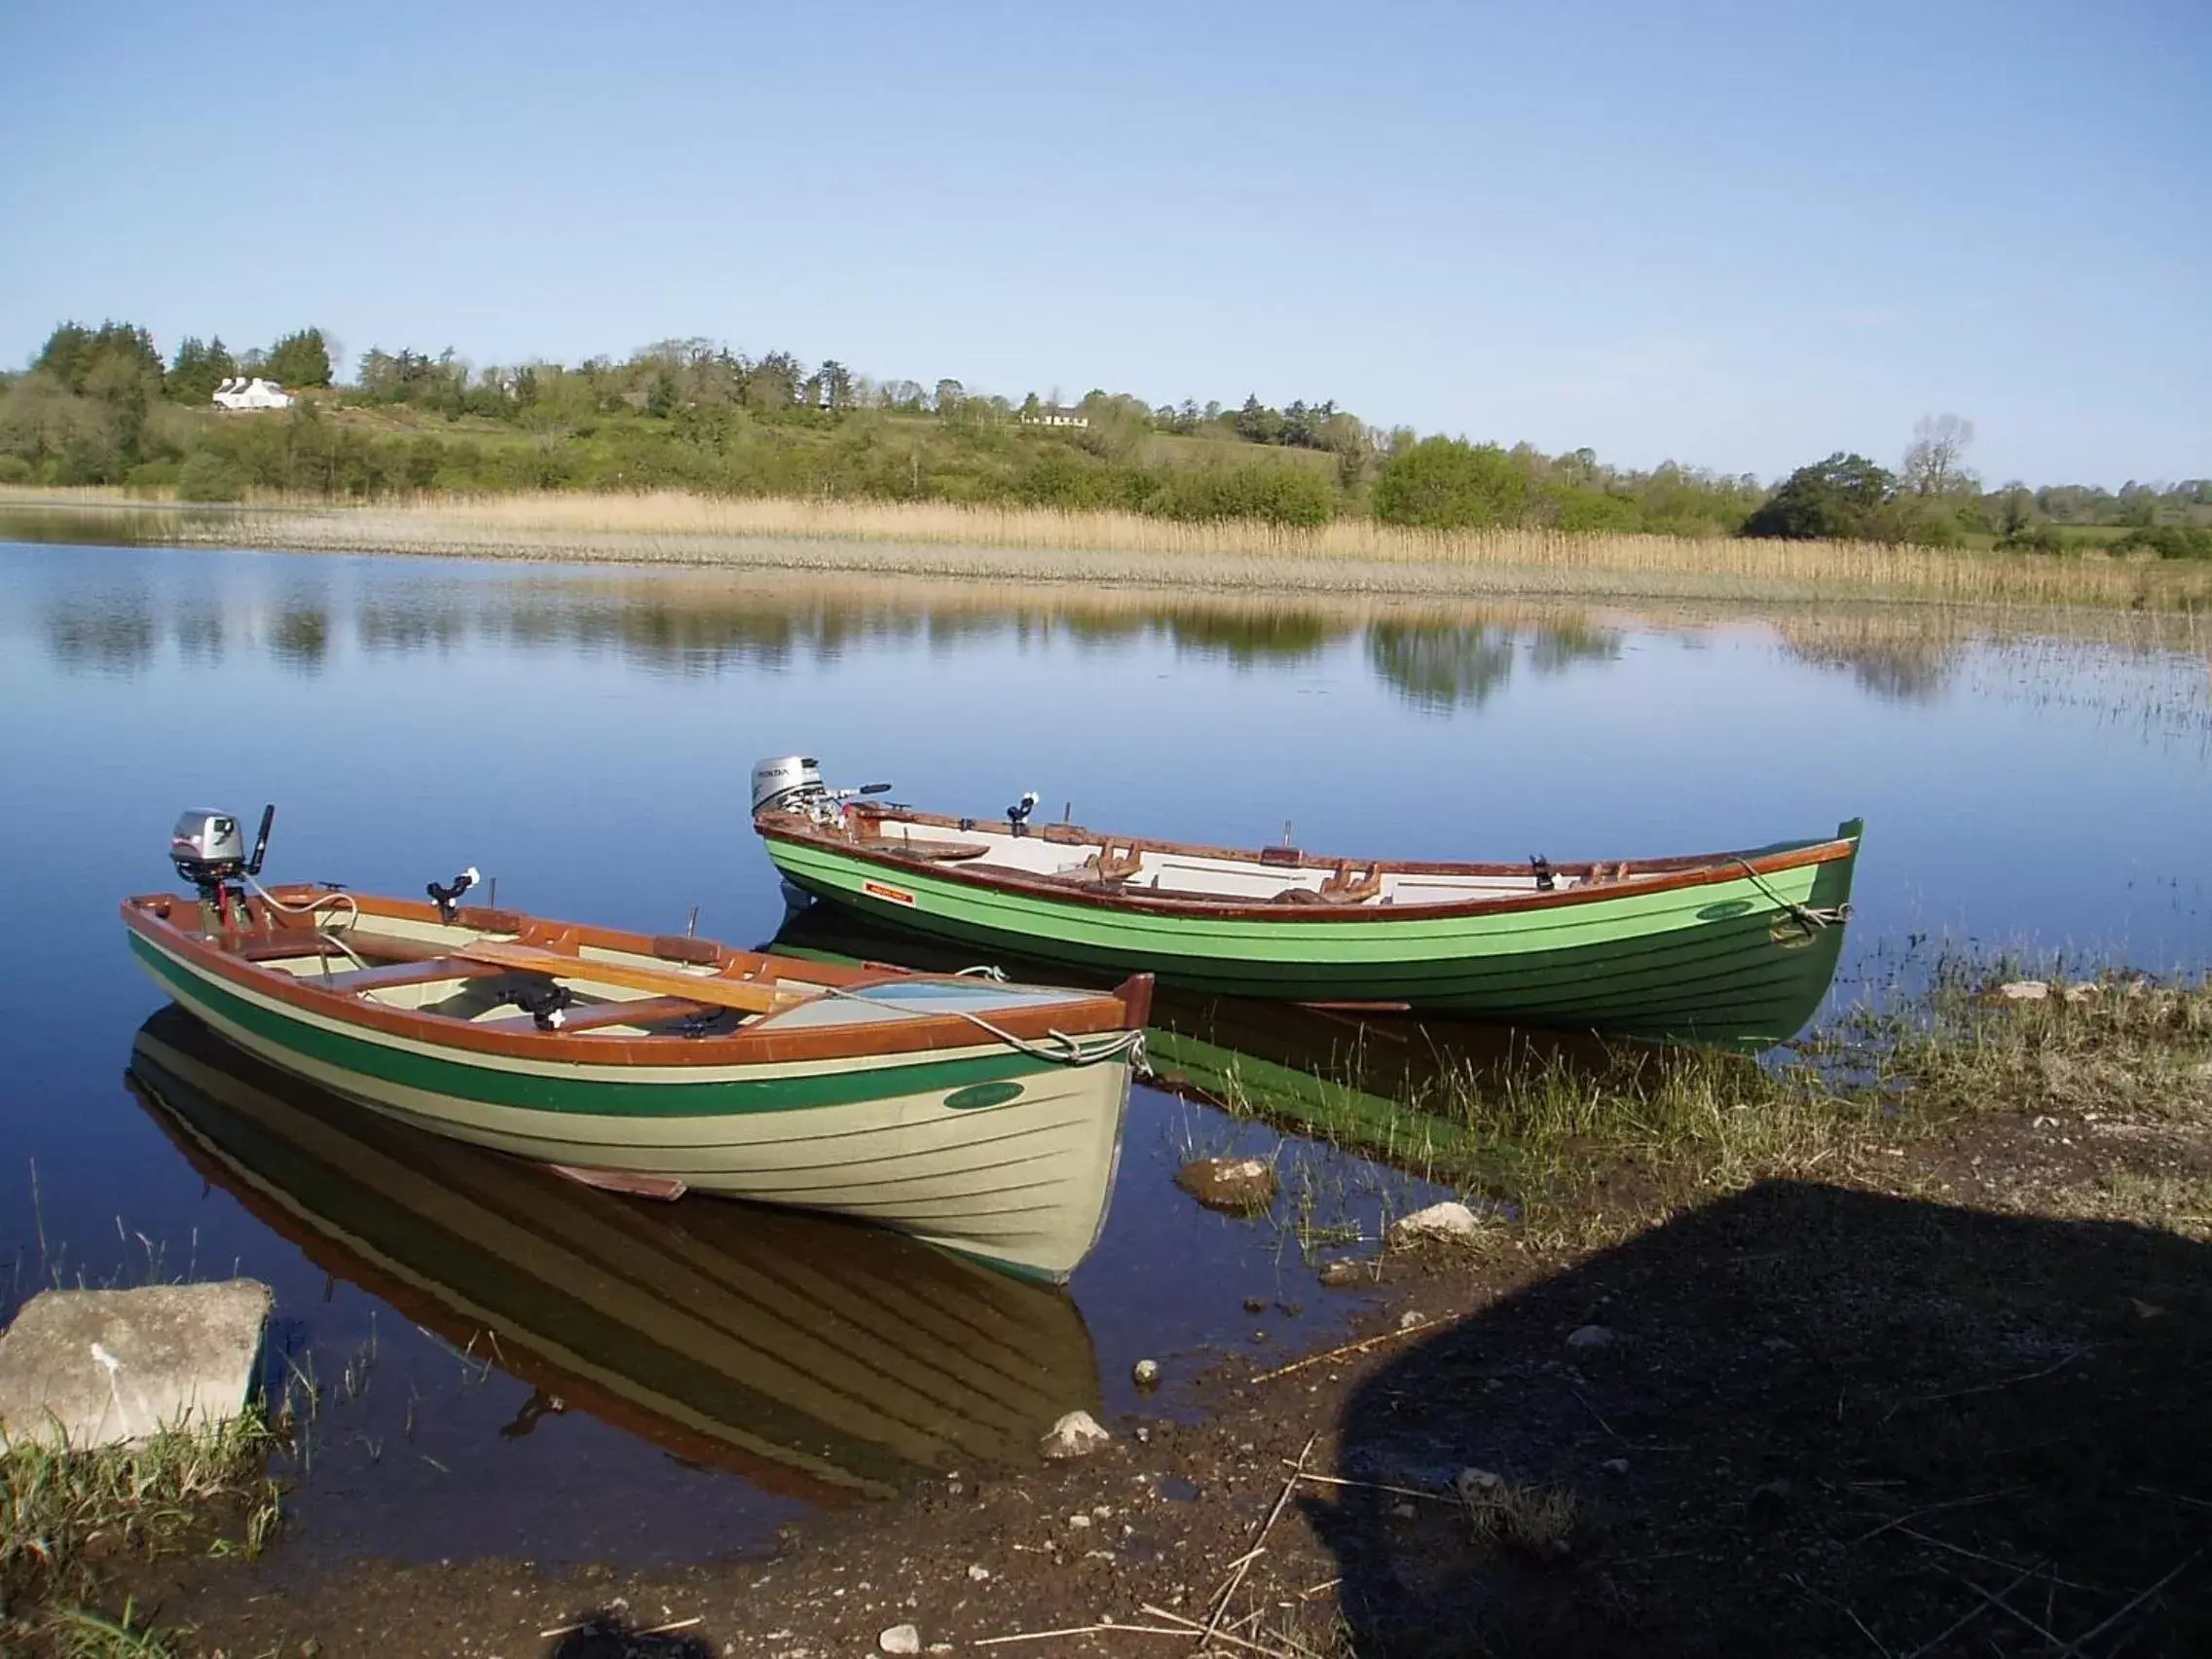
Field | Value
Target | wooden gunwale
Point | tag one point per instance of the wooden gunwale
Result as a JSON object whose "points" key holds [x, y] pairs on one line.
{"points": [[148, 915], [1679, 873]]}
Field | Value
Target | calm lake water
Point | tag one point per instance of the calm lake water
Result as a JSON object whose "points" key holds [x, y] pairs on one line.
{"points": [[584, 736]]}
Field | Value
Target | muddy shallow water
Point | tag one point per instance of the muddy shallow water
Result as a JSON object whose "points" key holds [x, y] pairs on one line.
{"points": [[583, 735]]}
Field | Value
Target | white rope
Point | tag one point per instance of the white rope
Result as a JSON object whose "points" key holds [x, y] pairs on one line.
{"points": [[1072, 1050], [322, 930]]}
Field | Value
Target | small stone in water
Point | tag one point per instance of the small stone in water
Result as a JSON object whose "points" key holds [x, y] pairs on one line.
{"points": [[1592, 1336], [1145, 1373]]}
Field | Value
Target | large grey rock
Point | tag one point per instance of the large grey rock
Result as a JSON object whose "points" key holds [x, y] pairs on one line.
{"points": [[110, 1366], [1439, 1224]]}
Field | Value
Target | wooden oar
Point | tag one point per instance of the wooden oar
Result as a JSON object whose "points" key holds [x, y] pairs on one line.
{"points": [[747, 996]]}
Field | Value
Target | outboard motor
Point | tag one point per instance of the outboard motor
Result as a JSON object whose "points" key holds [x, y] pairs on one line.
{"points": [[208, 850], [790, 782]]}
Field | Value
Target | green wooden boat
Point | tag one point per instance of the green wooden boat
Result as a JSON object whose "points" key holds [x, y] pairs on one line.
{"points": [[984, 1117], [1730, 947], [814, 1357]]}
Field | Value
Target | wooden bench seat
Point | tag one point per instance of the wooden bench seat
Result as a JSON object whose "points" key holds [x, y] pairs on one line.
{"points": [[428, 971], [935, 851], [644, 1011]]}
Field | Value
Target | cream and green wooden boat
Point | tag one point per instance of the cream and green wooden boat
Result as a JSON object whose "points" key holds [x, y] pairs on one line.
{"points": [[1730, 947], [981, 1117], [814, 1357]]}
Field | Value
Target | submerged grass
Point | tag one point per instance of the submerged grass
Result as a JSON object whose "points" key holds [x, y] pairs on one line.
{"points": [[1587, 1146], [67, 1512]]}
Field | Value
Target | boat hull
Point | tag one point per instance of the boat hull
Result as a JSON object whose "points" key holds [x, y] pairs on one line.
{"points": [[816, 1358], [985, 1150], [1731, 960]]}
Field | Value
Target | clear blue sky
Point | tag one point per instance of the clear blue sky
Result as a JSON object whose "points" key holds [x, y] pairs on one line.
{"points": [[1741, 236]]}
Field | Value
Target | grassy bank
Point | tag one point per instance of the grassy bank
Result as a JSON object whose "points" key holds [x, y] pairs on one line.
{"points": [[1351, 556], [1584, 1141], [68, 1518]]}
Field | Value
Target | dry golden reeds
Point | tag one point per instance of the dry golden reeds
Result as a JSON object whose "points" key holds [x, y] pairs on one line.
{"points": [[1043, 545]]}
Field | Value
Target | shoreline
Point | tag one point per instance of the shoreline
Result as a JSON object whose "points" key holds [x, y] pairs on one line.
{"points": [[1353, 559], [1759, 1400]]}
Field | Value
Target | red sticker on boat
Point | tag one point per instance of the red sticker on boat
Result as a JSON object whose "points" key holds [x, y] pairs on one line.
{"points": [[876, 890]]}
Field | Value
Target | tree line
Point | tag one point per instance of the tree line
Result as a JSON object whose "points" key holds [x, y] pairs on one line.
{"points": [[98, 405]]}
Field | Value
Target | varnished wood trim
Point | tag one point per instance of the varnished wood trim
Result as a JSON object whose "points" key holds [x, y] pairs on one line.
{"points": [[1679, 873], [219, 956]]}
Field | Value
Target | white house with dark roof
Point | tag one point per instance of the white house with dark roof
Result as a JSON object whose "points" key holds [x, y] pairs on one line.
{"points": [[251, 391]]}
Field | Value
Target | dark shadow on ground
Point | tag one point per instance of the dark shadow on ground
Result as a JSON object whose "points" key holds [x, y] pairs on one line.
{"points": [[611, 1634], [1828, 1422]]}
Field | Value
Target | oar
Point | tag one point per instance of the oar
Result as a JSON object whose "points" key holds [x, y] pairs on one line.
{"points": [[748, 996]]}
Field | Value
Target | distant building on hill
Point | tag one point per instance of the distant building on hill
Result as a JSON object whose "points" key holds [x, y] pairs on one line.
{"points": [[1054, 418], [251, 391]]}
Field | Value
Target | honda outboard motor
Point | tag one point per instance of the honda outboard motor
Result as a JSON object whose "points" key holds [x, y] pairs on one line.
{"points": [[208, 850], [790, 782]]}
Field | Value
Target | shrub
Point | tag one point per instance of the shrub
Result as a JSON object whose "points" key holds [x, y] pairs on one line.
{"points": [[15, 469], [1276, 494], [2168, 541], [1592, 512], [207, 477], [1450, 484]]}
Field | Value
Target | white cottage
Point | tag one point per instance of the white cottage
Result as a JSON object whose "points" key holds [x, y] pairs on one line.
{"points": [[251, 391]]}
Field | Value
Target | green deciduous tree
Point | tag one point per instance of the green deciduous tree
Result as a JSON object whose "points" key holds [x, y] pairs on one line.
{"points": [[1450, 484], [1839, 496]]}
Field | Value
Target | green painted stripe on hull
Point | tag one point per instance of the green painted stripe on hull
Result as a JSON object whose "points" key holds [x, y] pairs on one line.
{"points": [[550, 1090], [1654, 964]]}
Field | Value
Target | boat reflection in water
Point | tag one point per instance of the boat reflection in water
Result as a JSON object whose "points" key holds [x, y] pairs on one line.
{"points": [[1344, 1073], [813, 1356]]}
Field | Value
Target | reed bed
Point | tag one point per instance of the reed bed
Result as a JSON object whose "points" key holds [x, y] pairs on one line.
{"points": [[1043, 545], [1590, 1146]]}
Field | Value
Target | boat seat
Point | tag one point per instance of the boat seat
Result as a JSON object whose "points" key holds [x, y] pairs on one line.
{"points": [[283, 947], [937, 852], [684, 948], [393, 974], [397, 948], [641, 1010]]}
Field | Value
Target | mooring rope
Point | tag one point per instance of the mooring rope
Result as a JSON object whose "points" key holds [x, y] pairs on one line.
{"points": [[1072, 1050]]}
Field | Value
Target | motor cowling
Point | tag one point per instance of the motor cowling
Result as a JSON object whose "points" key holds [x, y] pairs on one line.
{"points": [[787, 783], [207, 847]]}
